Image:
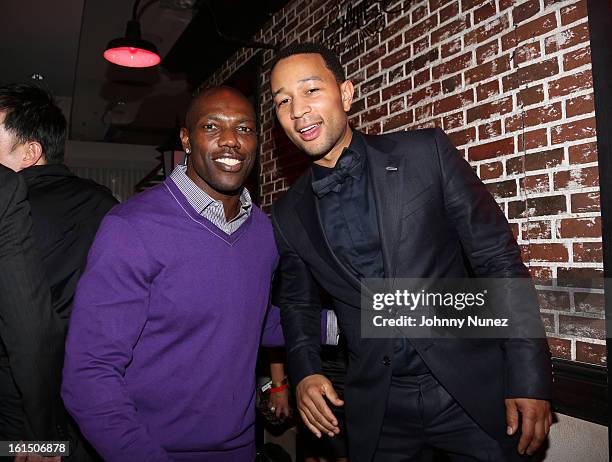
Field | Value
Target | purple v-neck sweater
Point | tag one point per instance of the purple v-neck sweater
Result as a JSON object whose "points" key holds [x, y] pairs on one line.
{"points": [[166, 325]]}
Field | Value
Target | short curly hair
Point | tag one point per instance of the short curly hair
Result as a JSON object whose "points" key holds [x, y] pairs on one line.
{"points": [[331, 60]]}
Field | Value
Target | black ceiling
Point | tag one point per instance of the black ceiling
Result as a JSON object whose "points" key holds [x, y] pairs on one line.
{"points": [[200, 51]]}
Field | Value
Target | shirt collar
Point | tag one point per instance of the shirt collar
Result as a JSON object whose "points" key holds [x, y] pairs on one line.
{"points": [[199, 199], [357, 146]]}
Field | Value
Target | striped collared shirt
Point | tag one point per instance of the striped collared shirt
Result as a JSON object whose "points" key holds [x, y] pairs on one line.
{"points": [[208, 207]]}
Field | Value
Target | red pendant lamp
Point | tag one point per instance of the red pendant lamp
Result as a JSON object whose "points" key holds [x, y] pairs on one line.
{"points": [[132, 50]]}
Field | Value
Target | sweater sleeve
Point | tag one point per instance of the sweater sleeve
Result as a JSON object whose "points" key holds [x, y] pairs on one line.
{"points": [[109, 314]]}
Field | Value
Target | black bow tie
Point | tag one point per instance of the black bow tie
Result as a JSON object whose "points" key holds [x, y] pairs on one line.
{"points": [[348, 165]]}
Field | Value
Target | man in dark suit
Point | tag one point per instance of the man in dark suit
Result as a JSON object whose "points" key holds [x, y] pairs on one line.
{"points": [[32, 344], [66, 210], [403, 205]]}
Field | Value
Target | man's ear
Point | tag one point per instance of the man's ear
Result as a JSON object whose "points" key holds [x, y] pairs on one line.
{"points": [[184, 136], [32, 154], [347, 91]]}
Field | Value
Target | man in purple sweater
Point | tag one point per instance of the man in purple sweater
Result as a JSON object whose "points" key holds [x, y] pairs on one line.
{"points": [[169, 314]]}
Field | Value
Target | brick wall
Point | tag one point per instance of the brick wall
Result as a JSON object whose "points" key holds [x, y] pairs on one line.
{"points": [[510, 82]]}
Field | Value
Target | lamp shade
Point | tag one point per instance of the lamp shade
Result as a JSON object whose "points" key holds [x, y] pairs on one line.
{"points": [[132, 50]]}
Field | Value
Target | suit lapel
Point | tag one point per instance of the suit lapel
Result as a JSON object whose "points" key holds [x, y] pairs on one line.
{"points": [[387, 183], [308, 212]]}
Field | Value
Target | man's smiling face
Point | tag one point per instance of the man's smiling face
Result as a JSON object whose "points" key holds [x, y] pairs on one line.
{"points": [[220, 132], [310, 104]]}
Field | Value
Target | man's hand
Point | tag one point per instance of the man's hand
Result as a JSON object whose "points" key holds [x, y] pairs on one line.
{"points": [[279, 401], [315, 412], [537, 419]]}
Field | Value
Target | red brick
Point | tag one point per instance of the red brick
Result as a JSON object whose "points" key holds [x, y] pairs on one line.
{"points": [[372, 70], [491, 170], [396, 57], [397, 105], [583, 153], [591, 252], [536, 229], [485, 12], [487, 70], [372, 85], [400, 120], [423, 112], [580, 105], [493, 149], [513, 227], [527, 52], [592, 353], [396, 26], [589, 302], [449, 12], [529, 30], [502, 189], [560, 348], [398, 88], [586, 278], [534, 184], [582, 327], [449, 85], [537, 207], [435, 4], [457, 64], [422, 61], [373, 99], [358, 106], [548, 252], [577, 58], [469, 4], [486, 51], [531, 73], [536, 116], [454, 102], [525, 11], [534, 139], [576, 179], [422, 78], [424, 94], [530, 95], [374, 114], [567, 38], [579, 227], [541, 275], [451, 48], [573, 131], [419, 30], [495, 108], [487, 90], [486, 31], [489, 130], [574, 12], [420, 46], [419, 13], [455, 120], [372, 55], [585, 202], [463, 137]]}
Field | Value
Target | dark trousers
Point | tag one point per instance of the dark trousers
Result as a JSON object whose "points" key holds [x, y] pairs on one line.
{"points": [[421, 415]]}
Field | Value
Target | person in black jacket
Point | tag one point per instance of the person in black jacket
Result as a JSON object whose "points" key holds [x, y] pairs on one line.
{"points": [[31, 339], [399, 205], [66, 210]]}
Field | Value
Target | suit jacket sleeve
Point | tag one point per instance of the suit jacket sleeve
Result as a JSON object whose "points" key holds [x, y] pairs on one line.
{"points": [[297, 295], [109, 314], [29, 329], [493, 253]]}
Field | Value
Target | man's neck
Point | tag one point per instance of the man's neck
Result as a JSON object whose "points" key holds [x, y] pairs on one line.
{"points": [[329, 160]]}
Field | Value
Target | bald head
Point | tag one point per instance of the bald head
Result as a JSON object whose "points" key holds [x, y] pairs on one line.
{"points": [[221, 96]]}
